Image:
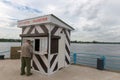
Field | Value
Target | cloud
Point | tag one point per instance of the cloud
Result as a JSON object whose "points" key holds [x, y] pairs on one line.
{"points": [[20, 7], [11, 12], [101, 22], [92, 19], [10, 33]]}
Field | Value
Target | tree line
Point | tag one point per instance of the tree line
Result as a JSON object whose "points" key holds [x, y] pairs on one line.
{"points": [[87, 42], [10, 40], [94, 42]]}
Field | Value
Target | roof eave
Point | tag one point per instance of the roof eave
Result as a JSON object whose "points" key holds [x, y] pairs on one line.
{"points": [[63, 22]]}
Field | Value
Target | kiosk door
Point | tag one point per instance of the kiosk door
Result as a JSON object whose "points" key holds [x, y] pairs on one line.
{"points": [[61, 54]]}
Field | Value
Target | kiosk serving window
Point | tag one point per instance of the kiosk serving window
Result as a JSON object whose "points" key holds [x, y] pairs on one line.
{"points": [[40, 45], [37, 44]]}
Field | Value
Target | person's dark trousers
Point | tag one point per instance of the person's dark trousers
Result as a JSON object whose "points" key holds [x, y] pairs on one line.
{"points": [[25, 62]]}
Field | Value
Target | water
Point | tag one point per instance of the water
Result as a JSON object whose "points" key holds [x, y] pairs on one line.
{"points": [[5, 46], [99, 49], [109, 49], [102, 49], [88, 54]]}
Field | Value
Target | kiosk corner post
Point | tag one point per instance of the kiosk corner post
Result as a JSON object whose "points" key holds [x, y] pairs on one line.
{"points": [[49, 50]]}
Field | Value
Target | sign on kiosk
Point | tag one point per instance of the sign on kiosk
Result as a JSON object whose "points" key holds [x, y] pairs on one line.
{"points": [[32, 21]]}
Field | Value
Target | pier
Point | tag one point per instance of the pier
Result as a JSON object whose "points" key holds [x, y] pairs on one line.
{"points": [[83, 67], [10, 70]]}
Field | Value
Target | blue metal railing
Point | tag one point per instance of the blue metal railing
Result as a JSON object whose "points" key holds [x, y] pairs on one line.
{"points": [[5, 51], [110, 62]]}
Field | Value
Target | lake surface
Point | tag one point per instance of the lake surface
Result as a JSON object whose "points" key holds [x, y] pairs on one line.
{"points": [[5, 46], [112, 63], [111, 53], [109, 49]]}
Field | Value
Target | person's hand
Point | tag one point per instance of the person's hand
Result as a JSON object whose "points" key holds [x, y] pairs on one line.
{"points": [[31, 55]]}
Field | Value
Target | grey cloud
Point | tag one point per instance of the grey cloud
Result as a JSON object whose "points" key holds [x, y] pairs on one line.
{"points": [[110, 15], [92, 11], [10, 32], [86, 10], [105, 34], [78, 10], [91, 28], [104, 18], [10, 22], [13, 24], [14, 19]]}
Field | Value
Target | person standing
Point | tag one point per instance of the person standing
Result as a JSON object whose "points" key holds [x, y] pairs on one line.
{"points": [[26, 56]]}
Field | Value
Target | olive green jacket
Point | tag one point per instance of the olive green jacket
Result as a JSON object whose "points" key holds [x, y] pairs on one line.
{"points": [[26, 50]]}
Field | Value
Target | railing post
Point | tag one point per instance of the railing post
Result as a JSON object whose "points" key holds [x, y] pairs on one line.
{"points": [[75, 58], [101, 63], [104, 60]]}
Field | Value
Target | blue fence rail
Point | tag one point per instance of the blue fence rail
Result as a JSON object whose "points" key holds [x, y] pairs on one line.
{"points": [[109, 62], [5, 53]]}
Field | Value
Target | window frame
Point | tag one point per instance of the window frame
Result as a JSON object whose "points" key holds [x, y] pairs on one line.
{"points": [[41, 45]]}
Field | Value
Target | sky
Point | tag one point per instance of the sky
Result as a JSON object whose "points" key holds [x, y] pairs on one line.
{"points": [[93, 20]]}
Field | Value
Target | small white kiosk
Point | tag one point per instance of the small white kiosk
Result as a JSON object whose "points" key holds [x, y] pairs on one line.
{"points": [[51, 42]]}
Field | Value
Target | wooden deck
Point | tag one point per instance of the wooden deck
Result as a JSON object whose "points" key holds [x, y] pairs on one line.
{"points": [[10, 70]]}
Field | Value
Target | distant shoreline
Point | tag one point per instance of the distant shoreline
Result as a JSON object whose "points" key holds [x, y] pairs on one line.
{"points": [[71, 42], [97, 43], [94, 42], [80, 42], [10, 40]]}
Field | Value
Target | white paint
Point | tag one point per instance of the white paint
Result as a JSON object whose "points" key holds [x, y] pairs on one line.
{"points": [[47, 25], [61, 54], [42, 45], [33, 31], [38, 64], [58, 22], [67, 33], [38, 28], [57, 33], [44, 60], [54, 64], [49, 49], [26, 30]]}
